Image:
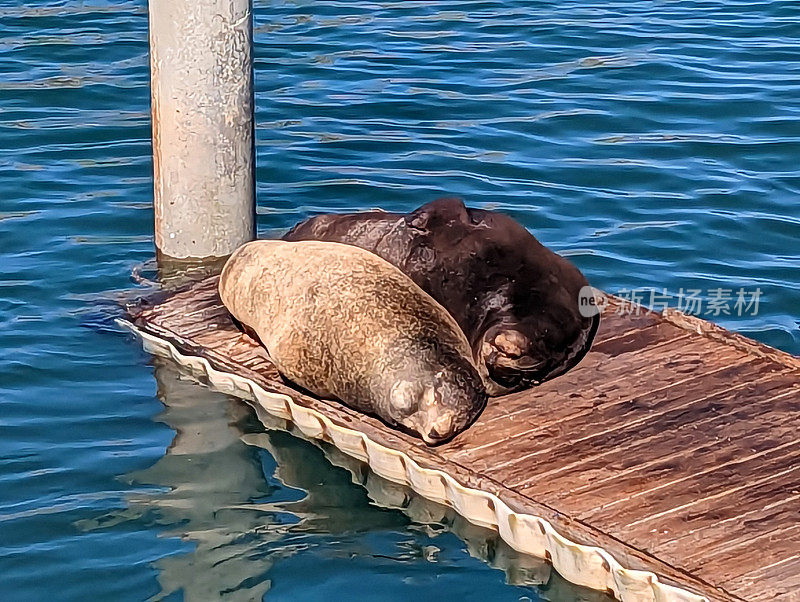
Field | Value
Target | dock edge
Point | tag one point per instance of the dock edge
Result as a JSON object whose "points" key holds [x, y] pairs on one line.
{"points": [[584, 565]]}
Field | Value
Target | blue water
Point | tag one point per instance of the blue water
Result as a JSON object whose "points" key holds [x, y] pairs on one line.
{"points": [[655, 143]]}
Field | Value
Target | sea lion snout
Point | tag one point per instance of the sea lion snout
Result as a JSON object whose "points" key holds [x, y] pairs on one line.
{"points": [[511, 359], [506, 346], [439, 430], [442, 408], [436, 425], [511, 343]]}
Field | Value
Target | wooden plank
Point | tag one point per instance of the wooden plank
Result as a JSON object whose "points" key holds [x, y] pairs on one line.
{"points": [[709, 534], [557, 399], [707, 493], [696, 466], [714, 332], [636, 339], [612, 428], [623, 399], [650, 448], [519, 405], [602, 381], [773, 547], [777, 581], [617, 321]]}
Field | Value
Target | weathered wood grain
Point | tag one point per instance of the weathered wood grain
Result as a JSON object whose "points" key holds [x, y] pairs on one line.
{"points": [[776, 581], [708, 535], [652, 451], [600, 389], [613, 426]]}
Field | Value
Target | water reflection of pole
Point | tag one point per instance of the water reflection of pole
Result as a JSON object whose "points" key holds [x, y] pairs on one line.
{"points": [[207, 472]]}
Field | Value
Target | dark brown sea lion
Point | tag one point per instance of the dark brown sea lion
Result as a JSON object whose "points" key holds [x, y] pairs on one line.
{"points": [[341, 322], [515, 299]]}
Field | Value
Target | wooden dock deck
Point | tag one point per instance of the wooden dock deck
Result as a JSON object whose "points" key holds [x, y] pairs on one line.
{"points": [[673, 446]]}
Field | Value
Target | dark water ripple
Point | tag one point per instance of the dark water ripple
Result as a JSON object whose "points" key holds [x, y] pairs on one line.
{"points": [[654, 143]]}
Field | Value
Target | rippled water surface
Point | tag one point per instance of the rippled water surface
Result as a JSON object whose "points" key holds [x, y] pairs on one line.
{"points": [[655, 143]]}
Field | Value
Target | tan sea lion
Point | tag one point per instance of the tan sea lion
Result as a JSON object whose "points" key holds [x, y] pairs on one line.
{"points": [[516, 300], [343, 323]]}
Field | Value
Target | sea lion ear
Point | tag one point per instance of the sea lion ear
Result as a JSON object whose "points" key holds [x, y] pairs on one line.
{"points": [[440, 211], [418, 220]]}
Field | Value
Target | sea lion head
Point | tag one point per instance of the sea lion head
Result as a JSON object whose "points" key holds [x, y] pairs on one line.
{"points": [[439, 405], [511, 359], [528, 325], [527, 352]]}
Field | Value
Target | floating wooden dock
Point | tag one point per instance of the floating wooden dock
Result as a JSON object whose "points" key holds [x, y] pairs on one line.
{"points": [[665, 466]]}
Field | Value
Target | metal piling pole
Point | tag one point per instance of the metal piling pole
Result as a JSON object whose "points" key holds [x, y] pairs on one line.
{"points": [[201, 65]]}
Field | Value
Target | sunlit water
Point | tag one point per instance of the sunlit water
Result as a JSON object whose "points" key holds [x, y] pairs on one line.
{"points": [[655, 143]]}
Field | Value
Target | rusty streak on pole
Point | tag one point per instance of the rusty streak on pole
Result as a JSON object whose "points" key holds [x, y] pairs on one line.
{"points": [[201, 66]]}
